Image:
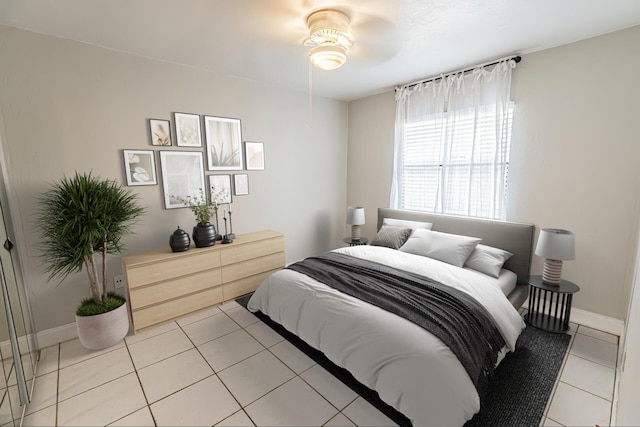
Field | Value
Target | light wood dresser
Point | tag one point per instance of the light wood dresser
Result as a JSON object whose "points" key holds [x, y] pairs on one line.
{"points": [[163, 285]]}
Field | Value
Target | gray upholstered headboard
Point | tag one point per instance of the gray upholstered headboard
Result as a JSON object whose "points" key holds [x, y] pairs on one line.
{"points": [[514, 237]]}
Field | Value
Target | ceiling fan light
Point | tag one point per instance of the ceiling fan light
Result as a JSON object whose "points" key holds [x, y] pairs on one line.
{"points": [[329, 32], [327, 57]]}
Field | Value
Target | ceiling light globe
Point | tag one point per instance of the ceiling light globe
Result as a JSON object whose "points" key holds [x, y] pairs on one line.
{"points": [[327, 58]]}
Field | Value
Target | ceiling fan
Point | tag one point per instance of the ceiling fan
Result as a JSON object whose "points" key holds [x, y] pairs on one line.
{"points": [[335, 33]]}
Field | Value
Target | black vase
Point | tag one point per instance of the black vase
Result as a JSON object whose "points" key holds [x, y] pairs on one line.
{"points": [[204, 235], [179, 241]]}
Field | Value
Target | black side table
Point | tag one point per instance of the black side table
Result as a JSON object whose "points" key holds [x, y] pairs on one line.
{"points": [[355, 242], [543, 314]]}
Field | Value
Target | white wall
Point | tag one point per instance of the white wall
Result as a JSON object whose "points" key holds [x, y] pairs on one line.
{"points": [[627, 411], [574, 161], [68, 106], [370, 164]]}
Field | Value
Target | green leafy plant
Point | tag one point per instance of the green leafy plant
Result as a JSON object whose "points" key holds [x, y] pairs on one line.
{"points": [[82, 219], [201, 207]]}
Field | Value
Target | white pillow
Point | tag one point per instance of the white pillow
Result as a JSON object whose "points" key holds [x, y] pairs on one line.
{"points": [[450, 248], [487, 260], [407, 224]]}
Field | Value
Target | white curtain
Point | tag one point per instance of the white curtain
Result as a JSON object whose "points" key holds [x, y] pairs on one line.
{"points": [[452, 142]]}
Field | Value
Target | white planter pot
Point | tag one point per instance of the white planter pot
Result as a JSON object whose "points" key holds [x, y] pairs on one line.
{"points": [[103, 330]]}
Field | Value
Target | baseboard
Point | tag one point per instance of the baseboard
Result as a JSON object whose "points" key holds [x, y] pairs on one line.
{"points": [[591, 320], [23, 342], [56, 335], [597, 321]]}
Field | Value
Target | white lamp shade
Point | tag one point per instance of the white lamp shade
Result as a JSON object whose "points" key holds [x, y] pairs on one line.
{"points": [[355, 216], [556, 244]]}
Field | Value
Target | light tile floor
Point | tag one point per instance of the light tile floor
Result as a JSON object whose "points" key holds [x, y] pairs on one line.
{"points": [[223, 367]]}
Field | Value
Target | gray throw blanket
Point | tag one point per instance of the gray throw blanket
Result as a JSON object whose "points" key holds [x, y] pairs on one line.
{"points": [[454, 317]]}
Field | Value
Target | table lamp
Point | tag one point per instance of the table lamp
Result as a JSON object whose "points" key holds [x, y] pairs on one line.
{"points": [[355, 217], [555, 246]]}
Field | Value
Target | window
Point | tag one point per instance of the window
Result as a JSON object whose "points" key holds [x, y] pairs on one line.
{"points": [[452, 144], [455, 166]]}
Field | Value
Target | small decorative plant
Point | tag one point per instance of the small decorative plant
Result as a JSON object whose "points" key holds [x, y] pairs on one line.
{"points": [[202, 208], [82, 220]]}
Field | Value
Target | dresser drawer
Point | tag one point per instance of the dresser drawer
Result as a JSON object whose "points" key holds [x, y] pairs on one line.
{"points": [[141, 275], [175, 308], [251, 267], [234, 254], [175, 288], [240, 287]]}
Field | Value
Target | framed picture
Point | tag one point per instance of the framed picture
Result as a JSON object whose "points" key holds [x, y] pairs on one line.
{"points": [[220, 186], [224, 143], [160, 131], [241, 184], [254, 153], [182, 176], [140, 167], [188, 132]]}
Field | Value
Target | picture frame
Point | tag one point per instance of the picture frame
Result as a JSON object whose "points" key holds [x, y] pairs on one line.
{"points": [[188, 132], [182, 176], [241, 184], [216, 183], [160, 132], [254, 155], [224, 143], [140, 167]]}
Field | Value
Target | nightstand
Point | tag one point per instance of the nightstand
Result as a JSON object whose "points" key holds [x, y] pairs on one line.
{"points": [[550, 305], [355, 242]]}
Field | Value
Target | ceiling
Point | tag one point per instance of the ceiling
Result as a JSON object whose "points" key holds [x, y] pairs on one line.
{"points": [[395, 41]]}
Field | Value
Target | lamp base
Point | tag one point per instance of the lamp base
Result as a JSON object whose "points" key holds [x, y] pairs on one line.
{"points": [[552, 271], [355, 232]]}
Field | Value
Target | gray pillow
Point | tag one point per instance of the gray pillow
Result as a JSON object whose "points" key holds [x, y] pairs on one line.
{"points": [[391, 236]]}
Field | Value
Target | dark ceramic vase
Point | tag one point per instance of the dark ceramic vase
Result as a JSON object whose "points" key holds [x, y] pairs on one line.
{"points": [[179, 241], [204, 235]]}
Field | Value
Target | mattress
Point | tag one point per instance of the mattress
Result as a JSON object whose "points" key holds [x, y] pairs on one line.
{"points": [[506, 281]]}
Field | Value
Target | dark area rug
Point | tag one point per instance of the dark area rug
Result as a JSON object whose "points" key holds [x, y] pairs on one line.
{"points": [[518, 391]]}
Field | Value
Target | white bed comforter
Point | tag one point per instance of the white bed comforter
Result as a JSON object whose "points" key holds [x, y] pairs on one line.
{"points": [[410, 368]]}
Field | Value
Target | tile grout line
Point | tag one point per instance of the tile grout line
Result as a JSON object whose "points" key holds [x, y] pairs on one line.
{"points": [[94, 387], [586, 391], [594, 362], [215, 373], [557, 380], [265, 349], [146, 399], [298, 375]]}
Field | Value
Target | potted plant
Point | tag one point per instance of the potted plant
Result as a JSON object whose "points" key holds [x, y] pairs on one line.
{"points": [[82, 220], [204, 233]]}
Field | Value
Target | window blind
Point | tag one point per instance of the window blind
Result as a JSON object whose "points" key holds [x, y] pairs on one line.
{"points": [[453, 141], [450, 165]]}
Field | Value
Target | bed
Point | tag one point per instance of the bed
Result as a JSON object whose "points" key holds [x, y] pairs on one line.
{"points": [[384, 346]]}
